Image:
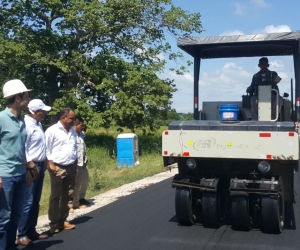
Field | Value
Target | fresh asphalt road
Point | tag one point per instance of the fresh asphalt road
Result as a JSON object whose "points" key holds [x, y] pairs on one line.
{"points": [[146, 220]]}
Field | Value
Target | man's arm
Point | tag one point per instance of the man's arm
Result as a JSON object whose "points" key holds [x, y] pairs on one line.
{"points": [[30, 166], [0, 183], [275, 77], [49, 146], [251, 88]]}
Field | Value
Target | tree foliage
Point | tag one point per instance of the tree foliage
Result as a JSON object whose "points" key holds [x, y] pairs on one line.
{"points": [[100, 57]]}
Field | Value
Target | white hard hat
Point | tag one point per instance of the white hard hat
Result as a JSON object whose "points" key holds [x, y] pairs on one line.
{"points": [[37, 104], [14, 87]]}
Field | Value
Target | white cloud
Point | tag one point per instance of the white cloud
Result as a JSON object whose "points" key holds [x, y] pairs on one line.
{"points": [[239, 8], [266, 30], [249, 7], [161, 56], [141, 51], [144, 50], [186, 77], [183, 97], [277, 29], [232, 33], [276, 65], [260, 3], [226, 83]]}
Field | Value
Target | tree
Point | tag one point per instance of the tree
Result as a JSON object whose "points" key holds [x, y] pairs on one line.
{"points": [[99, 57]]}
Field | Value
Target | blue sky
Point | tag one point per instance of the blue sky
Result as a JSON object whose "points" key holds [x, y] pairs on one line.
{"points": [[227, 79]]}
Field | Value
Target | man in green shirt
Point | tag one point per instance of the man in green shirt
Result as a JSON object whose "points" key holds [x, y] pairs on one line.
{"points": [[13, 174]]}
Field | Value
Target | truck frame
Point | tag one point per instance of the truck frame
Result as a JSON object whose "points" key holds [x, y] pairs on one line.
{"points": [[240, 170]]}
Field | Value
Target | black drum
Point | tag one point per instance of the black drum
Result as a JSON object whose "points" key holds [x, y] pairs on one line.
{"points": [[246, 101]]}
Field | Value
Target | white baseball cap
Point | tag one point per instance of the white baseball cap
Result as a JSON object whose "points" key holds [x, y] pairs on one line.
{"points": [[37, 104]]}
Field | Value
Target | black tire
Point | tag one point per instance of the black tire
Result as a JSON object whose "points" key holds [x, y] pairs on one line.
{"points": [[272, 208], [240, 215], [184, 206], [210, 210], [273, 213]]}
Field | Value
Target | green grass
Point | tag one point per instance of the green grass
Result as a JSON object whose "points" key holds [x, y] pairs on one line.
{"points": [[103, 171]]}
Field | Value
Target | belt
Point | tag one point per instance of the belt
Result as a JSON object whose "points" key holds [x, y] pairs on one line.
{"points": [[39, 163], [63, 166]]}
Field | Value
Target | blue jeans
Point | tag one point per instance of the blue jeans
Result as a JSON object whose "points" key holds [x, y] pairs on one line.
{"points": [[11, 204], [31, 207]]}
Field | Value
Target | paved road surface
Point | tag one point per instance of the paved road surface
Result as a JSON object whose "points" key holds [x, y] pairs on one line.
{"points": [[146, 220]]}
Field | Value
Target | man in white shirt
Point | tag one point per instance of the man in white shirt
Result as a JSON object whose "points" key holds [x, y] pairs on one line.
{"points": [[61, 151], [35, 150]]}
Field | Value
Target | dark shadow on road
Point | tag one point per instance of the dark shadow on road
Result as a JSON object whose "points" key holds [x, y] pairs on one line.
{"points": [[82, 219], [91, 201], [289, 217], [41, 245], [173, 219]]}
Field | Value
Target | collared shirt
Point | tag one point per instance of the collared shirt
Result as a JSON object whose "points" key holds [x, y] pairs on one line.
{"points": [[61, 145], [81, 150], [12, 144], [267, 78], [35, 146]]}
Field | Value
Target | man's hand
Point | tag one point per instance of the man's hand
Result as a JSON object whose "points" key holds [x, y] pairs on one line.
{"points": [[34, 171], [51, 167], [277, 79], [85, 161], [29, 178], [0, 183]]}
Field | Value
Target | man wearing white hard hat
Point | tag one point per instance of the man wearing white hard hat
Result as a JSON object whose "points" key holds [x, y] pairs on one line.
{"points": [[35, 149], [13, 174]]}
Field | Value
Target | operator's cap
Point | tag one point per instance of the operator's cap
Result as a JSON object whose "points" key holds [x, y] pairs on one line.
{"points": [[37, 104]]}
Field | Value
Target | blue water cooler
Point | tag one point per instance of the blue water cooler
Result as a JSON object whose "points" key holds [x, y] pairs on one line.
{"points": [[127, 150], [229, 112]]}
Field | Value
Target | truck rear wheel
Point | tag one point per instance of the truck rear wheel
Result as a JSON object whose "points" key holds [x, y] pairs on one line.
{"points": [[210, 209], [273, 213], [184, 206], [272, 208], [240, 216]]}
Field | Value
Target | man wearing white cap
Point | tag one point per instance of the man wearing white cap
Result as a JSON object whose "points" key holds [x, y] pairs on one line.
{"points": [[35, 149], [13, 175]]}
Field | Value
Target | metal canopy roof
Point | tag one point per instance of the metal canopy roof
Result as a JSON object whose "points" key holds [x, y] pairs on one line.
{"points": [[275, 44]]}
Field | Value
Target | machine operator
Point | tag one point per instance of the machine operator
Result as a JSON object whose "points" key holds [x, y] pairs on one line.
{"points": [[264, 77]]}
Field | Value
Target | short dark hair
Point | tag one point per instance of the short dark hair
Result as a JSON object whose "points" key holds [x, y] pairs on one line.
{"points": [[12, 99], [263, 59], [65, 111], [78, 120]]}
